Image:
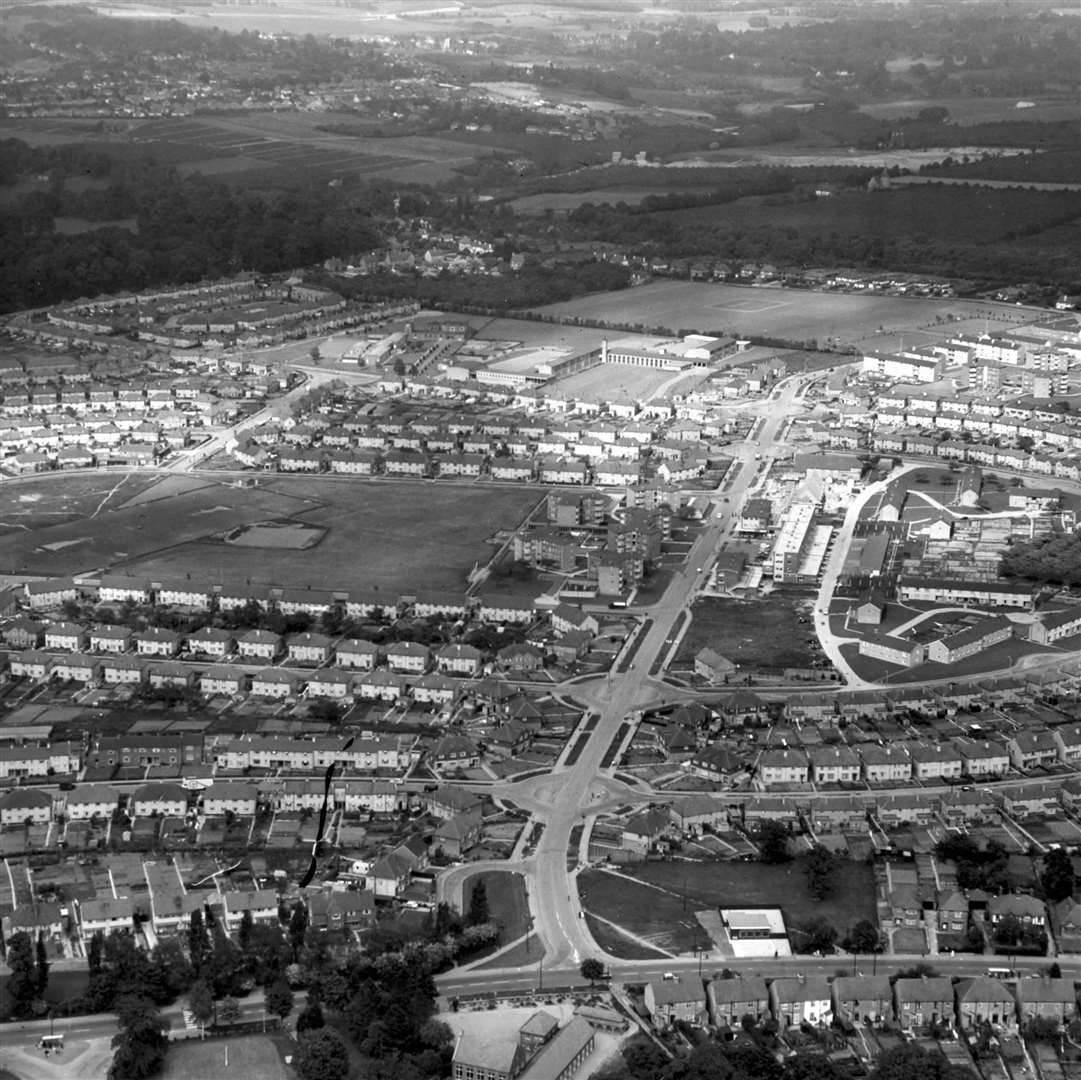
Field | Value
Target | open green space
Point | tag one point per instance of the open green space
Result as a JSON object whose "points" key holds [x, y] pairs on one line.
{"points": [[652, 911], [251, 1057], [378, 535], [758, 635], [34, 503], [508, 903], [786, 313], [753, 884]]}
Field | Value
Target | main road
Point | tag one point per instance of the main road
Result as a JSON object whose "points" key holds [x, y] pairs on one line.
{"points": [[573, 794]]}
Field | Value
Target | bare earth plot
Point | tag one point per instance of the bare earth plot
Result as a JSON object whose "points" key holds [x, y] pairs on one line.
{"points": [[786, 313], [394, 536], [31, 504]]}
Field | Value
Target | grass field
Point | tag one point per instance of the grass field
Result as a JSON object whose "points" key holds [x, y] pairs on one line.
{"points": [[758, 635], [755, 884], [787, 313], [508, 904], [978, 110], [655, 911], [624, 383], [383, 535], [253, 1057], [35, 503]]}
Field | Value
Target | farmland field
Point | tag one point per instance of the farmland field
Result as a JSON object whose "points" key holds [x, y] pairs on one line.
{"points": [[252, 1057], [978, 110], [788, 313], [379, 535]]}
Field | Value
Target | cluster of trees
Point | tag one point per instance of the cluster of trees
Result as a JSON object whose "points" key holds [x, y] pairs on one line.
{"points": [[978, 867], [533, 285], [29, 978], [1052, 559], [187, 229], [929, 229]]}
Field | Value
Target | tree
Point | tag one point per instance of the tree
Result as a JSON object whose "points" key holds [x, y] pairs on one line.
{"points": [[1058, 876], [22, 986], [592, 969], [478, 905], [41, 965], [228, 1010], [198, 941], [139, 1045], [201, 1002], [1008, 930], [279, 998], [819, 867], [820, 936], [243, 934], [772, 840], [909, 1061], [93, 953], [298, 927], [321, 1055], [311, 1016], [863, 938]]}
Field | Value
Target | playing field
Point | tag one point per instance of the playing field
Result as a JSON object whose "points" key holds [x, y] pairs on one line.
{"points": [[794, 314], [377, 534], [625, 384], [252, 1057]]}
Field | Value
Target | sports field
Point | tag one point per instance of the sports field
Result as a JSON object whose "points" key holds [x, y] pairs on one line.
{"points": [[378, 534], [252, 1057], [795, 314], [625, 384]]}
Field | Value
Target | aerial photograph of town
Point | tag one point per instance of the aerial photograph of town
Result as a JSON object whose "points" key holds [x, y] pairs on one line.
{"points": [[540, 540]]}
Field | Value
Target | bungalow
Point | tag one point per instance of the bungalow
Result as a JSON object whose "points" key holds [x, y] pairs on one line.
{"points": [[453, 752], [1027, 910]]}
